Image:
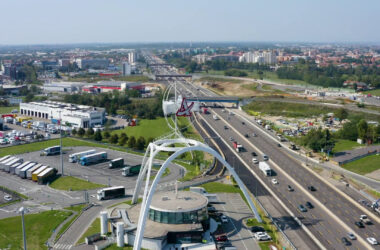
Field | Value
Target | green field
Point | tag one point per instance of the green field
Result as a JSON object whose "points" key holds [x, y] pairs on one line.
{"points": [[39, 227], [92, 78], [343, 145], [373, 92], [92, 229], [364, 165], [68, 183], [7, 110]]}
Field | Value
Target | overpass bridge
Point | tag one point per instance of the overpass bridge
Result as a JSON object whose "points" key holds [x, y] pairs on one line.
{"points": [[165, 77], [213, 99]]}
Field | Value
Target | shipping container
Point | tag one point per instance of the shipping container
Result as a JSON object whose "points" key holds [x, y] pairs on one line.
{"points": [[31, 170], [46, 176], [37, 172]]}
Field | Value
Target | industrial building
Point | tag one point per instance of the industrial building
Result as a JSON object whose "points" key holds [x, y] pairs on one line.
{"points": [[75, 115], [66, 87], [126, 69], [106, 86], [176, 219]]}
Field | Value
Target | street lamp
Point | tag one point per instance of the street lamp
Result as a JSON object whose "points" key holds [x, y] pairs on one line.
{"points": [[22, 210], [60, 140]]}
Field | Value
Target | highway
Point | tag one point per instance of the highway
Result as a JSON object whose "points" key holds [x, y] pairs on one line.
{"points": [[332, 216]]}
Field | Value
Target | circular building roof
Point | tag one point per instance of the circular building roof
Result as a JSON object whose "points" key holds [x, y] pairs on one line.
{"points": [[182, 202]]}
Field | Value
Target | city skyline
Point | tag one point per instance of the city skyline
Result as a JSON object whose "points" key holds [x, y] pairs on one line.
{"points": [[70, 22]]}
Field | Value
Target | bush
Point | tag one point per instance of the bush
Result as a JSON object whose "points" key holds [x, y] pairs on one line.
{"points": [[90, 132], [81, 132], [98, 136], [132, 142], [140, 143], [114, 138]]}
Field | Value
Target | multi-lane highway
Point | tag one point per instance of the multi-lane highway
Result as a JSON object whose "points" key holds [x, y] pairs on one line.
{"points": [[332, 217]]}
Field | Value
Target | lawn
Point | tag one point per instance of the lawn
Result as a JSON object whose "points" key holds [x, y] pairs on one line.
{"points": [[76, 209], [373, 92], [7, 110], [343, 145], [364, 165], [68, 183], [92, 229], [39, 227]]}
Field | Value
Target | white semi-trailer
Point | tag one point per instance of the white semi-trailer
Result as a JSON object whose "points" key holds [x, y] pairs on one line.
{"points": [[76, 156], [265, 168]]}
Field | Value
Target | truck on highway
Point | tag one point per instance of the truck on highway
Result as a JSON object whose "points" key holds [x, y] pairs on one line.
{"points": [[46, 176], [265, 168], [238, 147], [116, 163], [37, 172], [215, 117], [131, 170], [93, 158], [110, 193], [76, 156], [205, 111], [52, 150]]}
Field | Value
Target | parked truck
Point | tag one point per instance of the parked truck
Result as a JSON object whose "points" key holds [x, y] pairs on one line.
{"points": [[11, 163], [93, 158], [2, 164], [23, 171], [14, 166], [265, 168], [54, 150], [19, 168], [238, 147], [76, 156], [37, 172], [46, 176], [116, 163], [110, 193], [32, 169], [131, 170]]}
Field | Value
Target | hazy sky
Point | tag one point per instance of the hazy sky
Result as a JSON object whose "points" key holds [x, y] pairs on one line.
{"points": [[80, 21]]}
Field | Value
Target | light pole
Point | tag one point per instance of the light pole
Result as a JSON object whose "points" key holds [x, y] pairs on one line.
{"points": [[60, 140], [22, 211]]}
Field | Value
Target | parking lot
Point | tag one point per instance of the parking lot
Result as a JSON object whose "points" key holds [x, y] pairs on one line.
{"points": [[236, 210], [3, 200]]}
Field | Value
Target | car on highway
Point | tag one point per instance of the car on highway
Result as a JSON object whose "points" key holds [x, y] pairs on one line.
{"points": [[253, 154], [290, 188], [279, 145], [257, 229], [254, 135], [274, 181], [372, 241], [224, 219], [231, 139], [345, 241], [351, 236], [364, 218], [265, 157], [302, 208], [255, 161], [243, 123], [309, 205], [359, 224], [246, 136], [222, 238], [7, 197], [225, 127], [311, 188]]}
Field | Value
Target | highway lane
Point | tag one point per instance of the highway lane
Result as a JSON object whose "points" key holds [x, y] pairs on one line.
{"points": [[319, 223], [329, 197]]}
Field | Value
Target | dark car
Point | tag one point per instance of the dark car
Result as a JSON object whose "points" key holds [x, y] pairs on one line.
{"points": [[222, 238], [359, 224], [345, 241], [225, 127], [302, 208], [279, 145], [243, 123], [253, 154], [290, 188], [246, 135], [312, 188], [257, 229], [309, 205]]}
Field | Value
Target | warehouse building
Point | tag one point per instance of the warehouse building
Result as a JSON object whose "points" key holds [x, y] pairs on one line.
{"points": [[109, 86], [65, 87], [75, 115]]}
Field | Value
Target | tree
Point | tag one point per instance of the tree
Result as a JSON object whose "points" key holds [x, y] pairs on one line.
{"points": [[131, 142], [140, 144], [349, 131], [90, 132], [150, 139], [81, 132], [341, 114], [74, 131], [123, 139], [362, 127], [98, 135], [29, 97], [107, 134], [114, 138]]}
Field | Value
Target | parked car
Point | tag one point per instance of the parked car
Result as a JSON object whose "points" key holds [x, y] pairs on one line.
{"points": [[254, 135], [312, 188], [302, 208], [224, 219], [262, 236], [372, 241], [7, 197], [222, 238], [211, 209]]}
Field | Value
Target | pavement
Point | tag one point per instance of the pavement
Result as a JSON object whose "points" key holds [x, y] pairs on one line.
{"points": [[350, 155]]}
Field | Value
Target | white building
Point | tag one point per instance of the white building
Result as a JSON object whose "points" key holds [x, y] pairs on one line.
{"points": [[266, 57], [126, 69], [76, 115], [132, 57], [65, 87]]}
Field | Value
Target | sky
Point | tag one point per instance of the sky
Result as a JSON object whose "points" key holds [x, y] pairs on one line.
{"points": [[119, 21]]}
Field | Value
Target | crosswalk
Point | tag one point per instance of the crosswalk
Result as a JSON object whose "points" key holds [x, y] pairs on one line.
{"points": [[62, 246]]}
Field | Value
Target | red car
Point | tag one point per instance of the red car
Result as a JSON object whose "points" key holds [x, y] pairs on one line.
{"points": [[222, 238]]}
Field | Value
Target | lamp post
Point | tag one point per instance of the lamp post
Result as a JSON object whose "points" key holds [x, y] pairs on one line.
{"points": [[60, 140], [22, 210]]}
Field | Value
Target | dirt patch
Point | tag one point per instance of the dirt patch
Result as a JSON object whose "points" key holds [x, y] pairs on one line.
{"points": [[374, 175]]}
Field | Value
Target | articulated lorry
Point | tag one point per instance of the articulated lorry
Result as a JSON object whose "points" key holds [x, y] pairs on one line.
{"points": [[54, 150], [265, 168], [46, 176], [238, 147], [7, 165], [131, 170], [76, 156], [110, 193], [37, 172], [30, 171], [116, 163], [93, 158]]}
